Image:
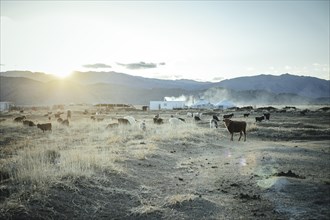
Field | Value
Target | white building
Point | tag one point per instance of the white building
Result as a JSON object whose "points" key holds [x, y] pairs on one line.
{"points": [[158, 105], [5, 106]]}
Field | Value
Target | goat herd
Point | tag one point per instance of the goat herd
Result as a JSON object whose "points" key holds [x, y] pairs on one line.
{"points": [[231, 125]]}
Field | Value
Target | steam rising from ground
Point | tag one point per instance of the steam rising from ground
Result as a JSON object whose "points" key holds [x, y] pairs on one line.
{"points": [[242, 98]]}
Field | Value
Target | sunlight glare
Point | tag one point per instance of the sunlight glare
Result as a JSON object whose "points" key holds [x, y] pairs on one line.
{"points": [[62, 73]]}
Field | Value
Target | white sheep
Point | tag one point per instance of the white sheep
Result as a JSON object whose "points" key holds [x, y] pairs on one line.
{"points": [[131, 120], [143, 126], [175, 121]]}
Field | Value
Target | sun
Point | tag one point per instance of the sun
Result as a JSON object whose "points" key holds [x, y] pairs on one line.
{"points": [[61, 73]]}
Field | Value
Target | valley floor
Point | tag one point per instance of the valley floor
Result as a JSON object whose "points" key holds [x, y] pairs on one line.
{"points": [[166, 172]]}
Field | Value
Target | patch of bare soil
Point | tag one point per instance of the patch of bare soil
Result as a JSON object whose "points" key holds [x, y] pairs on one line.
{"points": [[201, 177]]}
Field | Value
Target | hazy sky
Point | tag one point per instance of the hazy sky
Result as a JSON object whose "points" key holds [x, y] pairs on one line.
{"points": [[203, 40]]}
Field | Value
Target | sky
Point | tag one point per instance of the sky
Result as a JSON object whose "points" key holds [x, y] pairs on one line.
{"points": [[199, 40]]}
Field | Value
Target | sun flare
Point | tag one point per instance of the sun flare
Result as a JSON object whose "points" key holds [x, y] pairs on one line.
{"points": [[62, 74]]}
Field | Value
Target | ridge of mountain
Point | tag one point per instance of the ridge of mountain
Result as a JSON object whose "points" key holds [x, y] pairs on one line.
{"points": [[113, 87], [307, 86]]}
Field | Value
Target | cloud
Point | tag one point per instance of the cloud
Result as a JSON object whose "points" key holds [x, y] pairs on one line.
{"points": [[97, 65], [140, 65]]}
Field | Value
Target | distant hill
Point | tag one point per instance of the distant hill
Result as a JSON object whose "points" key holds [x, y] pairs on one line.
{"points": [[23, 91], [27, 88], [301, 85]]}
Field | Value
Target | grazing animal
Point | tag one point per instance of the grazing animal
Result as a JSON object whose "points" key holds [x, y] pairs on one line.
{"points": [[158, 120], [259, 119], [215, 118], [213, 123], [57, 115], [45, 127], [29, 123], [234, 127], [143, 126], [123, 121], [246, 115], [267, 115], [19, 119], [229, 115], [131, 119], [65, 122], [112, 125], [197, 118], [68, 114], [175, 121], [182, 119]]}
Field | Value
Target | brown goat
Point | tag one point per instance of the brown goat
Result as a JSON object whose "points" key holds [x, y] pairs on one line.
{"points": [[65, 122], [234, 127], [112, 125], [29, 123], [19, 119], [45, 127]]}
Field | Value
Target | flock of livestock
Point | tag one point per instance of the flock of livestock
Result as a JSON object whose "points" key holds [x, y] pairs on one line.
{"points": [[231, 125]]}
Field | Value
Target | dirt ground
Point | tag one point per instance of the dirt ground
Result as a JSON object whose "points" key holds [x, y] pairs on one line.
{"points": [[282, 171]]}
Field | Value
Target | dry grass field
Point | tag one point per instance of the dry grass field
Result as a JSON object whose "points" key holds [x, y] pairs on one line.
{"points": [[183, 171]]}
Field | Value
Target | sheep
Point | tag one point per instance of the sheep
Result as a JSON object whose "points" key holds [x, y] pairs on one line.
{"points": [[246, 115], [58, 114], [228, 116], [65, 122], [181, 119], [123, 121], [235, 126], [131, 119], [259, 119], [126, 120], [213, 123], [112, 125], [45, 127], [267, 115], [143, 126], [197, 118], [96, 118], [158, 120], [175, 121], [68, 114], [29, 123], [215, 118], [19, 119]]}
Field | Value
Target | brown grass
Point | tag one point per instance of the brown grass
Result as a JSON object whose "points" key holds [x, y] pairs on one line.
{"points": [[33, 163]]}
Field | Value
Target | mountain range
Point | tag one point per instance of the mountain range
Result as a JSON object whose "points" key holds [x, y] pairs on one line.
{"points": [[30, 88]]}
